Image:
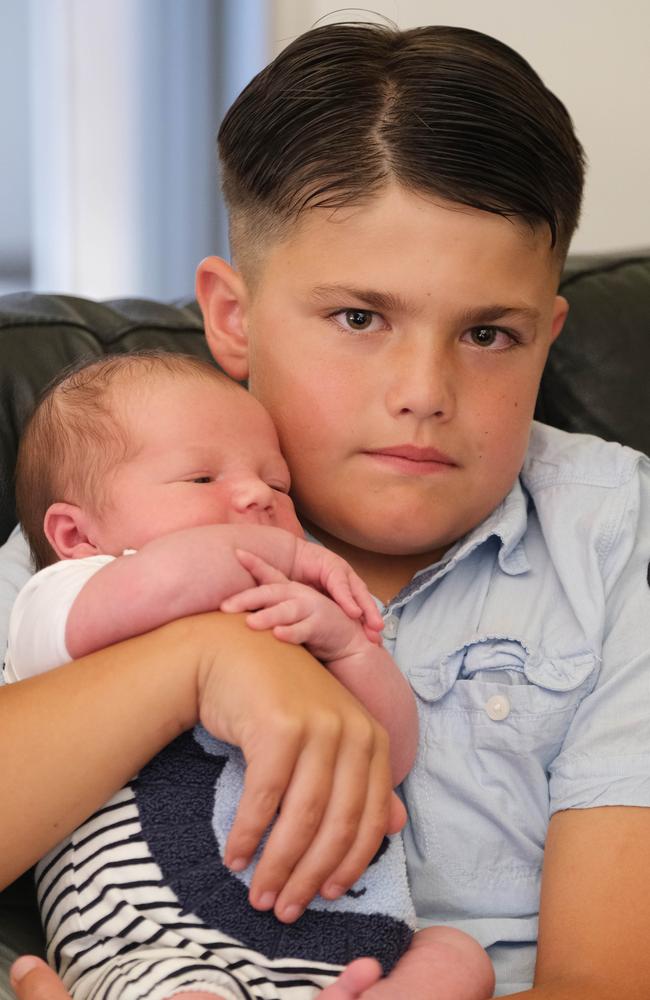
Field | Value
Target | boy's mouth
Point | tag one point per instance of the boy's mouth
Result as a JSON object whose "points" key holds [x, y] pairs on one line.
{"points": [[411, 459]]}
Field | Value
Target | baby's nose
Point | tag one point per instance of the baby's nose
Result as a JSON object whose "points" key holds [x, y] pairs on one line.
{"points": [[253, 494]]}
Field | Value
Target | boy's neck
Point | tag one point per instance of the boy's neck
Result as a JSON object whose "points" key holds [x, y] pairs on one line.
{"points": [[385, 575]]}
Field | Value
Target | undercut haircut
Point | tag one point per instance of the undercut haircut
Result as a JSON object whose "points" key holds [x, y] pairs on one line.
{"points": [[347, 109], [76, 436]]}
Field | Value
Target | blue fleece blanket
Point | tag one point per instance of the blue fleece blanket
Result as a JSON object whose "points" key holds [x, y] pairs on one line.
{"points": [[187, 797]]}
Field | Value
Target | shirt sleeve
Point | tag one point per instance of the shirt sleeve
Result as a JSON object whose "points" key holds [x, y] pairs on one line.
{"points": [[605, 758], [15, 571], [39, 616]]}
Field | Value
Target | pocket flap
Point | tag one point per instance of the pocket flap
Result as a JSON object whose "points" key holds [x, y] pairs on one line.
{"points": [[560, 673]]}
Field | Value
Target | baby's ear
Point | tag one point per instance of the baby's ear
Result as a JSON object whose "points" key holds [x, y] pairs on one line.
{"points": [[223, 298], [66, 529]]}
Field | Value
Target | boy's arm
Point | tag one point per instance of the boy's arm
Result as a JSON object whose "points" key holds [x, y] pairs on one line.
{"points": [[73, 736], [190, 572], [595, 907], [300, 615]]}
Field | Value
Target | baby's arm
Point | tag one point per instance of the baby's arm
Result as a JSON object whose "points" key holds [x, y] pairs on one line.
{"points": [[193, 571], [300, 615]]}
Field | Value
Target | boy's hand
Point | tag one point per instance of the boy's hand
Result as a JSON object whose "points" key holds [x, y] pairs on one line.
{"points": [[297, 613], [329, 573], [312, 752]]}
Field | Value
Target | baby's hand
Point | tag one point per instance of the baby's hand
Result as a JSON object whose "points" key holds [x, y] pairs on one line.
{"points": [[332, 575], [297, 613]]}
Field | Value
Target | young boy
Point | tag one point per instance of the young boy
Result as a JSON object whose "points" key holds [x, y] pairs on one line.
{"points": [[401, 205], [169, 469]]}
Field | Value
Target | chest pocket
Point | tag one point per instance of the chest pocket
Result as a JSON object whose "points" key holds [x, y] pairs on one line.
{"points": [[493, 715], [498, 693]]}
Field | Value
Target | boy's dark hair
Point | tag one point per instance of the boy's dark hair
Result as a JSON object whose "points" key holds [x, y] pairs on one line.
{"points": [[347, 108], [75, 436]]}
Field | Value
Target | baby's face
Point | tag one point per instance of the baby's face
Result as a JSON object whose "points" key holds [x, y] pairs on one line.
{"points": [[201, 454]]}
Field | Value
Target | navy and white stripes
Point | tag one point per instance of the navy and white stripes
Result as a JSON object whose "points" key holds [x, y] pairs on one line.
{"points": [[115, 931]]}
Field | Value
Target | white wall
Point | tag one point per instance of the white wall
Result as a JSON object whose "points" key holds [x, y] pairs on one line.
{"points": [[593, 55]]}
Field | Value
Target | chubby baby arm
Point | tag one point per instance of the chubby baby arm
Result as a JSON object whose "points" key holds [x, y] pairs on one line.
{"points": [[184, 573], [192, 571], [302, 616]]}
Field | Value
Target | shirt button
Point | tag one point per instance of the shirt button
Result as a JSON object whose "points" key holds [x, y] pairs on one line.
{"points": [[390, 626], [498, 707]]}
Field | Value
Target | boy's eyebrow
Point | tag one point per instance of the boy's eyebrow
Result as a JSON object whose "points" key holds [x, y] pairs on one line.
{"points": [[488, 314], [376, 300], [388, 302]]}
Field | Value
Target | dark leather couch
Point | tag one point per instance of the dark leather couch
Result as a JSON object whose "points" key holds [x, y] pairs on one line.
{"points": [[597, 380]]}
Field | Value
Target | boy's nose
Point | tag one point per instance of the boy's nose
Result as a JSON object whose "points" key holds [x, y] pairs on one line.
{"points": [[421, 382]]}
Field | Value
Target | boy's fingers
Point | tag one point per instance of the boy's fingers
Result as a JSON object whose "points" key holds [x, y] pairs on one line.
{"points": [[267, 777], [397, 815], [32, 979], [301, 815], [354, 865], [368, 840], [349, 835]]}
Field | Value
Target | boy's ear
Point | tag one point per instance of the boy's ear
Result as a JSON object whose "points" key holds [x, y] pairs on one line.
{"points": [[66, 529], [560, 312], [222, 295]]}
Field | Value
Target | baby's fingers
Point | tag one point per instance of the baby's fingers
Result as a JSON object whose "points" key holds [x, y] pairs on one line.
{"points": [[255, 598], [259, 569], [365, 601], [339, 589], [286, 619]]}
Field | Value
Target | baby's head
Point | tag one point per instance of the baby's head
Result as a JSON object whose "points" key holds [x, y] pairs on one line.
{"points": [[135, 446]]}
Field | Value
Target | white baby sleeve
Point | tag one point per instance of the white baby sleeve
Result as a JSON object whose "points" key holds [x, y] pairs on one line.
{"points": [[38, 618]]}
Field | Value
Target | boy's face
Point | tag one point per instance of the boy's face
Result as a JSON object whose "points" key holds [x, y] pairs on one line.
{"points": [[202, 454], [398, 347]]}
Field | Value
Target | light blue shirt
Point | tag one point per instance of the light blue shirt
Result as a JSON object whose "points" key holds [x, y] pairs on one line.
{"points": [[528, 647]]}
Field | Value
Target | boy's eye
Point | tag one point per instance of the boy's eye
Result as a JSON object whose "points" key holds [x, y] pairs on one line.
{"points": [[360, 320], [202, 479], [491, 336]]}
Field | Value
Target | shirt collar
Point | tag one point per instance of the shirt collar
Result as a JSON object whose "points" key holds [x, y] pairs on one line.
{"points": [[507, 523]]}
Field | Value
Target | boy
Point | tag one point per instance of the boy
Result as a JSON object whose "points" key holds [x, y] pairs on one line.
{"points": [[401, 205], [168, 468]]}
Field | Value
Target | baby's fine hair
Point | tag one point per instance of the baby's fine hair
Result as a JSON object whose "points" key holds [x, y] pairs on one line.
{"points": [[75, 436], [346, 109]]}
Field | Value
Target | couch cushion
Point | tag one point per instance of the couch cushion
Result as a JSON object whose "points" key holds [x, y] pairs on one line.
{"points": [[597, 378]]}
